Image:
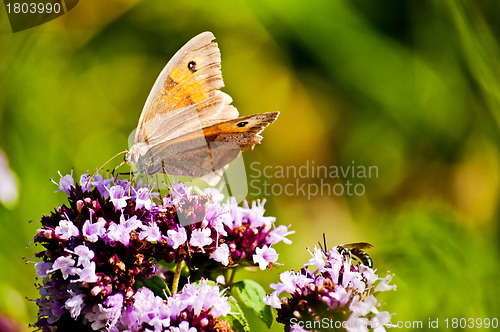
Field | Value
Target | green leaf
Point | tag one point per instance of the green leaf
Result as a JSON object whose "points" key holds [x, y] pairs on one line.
{"points": [[250, 293], [157, 285], [236, 318], [169, 266]]}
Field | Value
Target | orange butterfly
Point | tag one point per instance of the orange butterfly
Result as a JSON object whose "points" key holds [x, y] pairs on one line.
{"points": [[188, 126]]}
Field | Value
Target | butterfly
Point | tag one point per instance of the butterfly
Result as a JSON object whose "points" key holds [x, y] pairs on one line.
{"points": [[188, 127]]}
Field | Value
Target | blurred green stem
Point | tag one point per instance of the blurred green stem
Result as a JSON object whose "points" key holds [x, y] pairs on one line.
{"points": [[177, 275]]}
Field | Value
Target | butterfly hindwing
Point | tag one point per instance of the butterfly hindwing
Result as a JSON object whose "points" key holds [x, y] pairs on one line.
{"points": [[216, 147], [243, 131]]}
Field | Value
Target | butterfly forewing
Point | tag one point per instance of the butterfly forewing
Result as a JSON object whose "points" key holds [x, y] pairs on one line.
{"points": [[185, 92]]}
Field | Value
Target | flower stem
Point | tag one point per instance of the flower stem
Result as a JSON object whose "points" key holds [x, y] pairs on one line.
{"points": [[177, 275], [231, 279]]}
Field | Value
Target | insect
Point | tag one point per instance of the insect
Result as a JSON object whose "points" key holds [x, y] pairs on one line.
{"points": [[188, 126], [356, 250]]}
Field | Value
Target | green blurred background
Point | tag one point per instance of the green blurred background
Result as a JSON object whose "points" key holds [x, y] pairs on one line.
{"points": [[412, 87]]}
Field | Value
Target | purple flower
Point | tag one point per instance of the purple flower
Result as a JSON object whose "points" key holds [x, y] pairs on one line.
{"points": [[84, 255], [130, 316], [256, 215], [218, 219], [101, 246], [216, 196], [125, 184], [143, 199], [75, 305], [363, 307], [203, 296], [380, 320], [87, 274], [318, 259], [102, 185], [131, 223], [221, 254], [179, 192], [66, 183], [107, 314], [183, 327], [200, 304], [279, 234], [176, 238], [384, 284], [43, 268], [264, 256], [290, 281], [151, 233], [151, 309], [297, 328], [93, 231], [118, 197], [121, 232], [118, 233], [200, 238], [330, 287], [66, 229], [273, 300], [66, 265], [85, 182]]}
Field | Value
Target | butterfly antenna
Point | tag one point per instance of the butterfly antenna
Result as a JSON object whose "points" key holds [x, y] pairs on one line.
{"points": [[119, 165], [101, 167], [324, 242]]}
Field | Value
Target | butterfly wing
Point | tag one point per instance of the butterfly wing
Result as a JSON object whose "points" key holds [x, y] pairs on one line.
{"points": [[187, 126], [243, 131], [196, 155], [185, 95]]}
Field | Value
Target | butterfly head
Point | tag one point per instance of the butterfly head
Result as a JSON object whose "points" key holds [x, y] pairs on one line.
{"points": [[139, 156], [130, 156]]}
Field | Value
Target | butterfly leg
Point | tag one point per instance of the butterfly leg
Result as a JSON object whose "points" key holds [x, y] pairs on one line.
{"points": [[159, 190], [170, 183]]}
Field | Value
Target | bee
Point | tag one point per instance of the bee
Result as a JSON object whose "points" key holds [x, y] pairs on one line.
{"points": [[356, 250]]}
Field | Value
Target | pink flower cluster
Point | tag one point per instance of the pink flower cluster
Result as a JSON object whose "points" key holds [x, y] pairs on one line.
{"points": [[112, 237], [329, 288]]}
